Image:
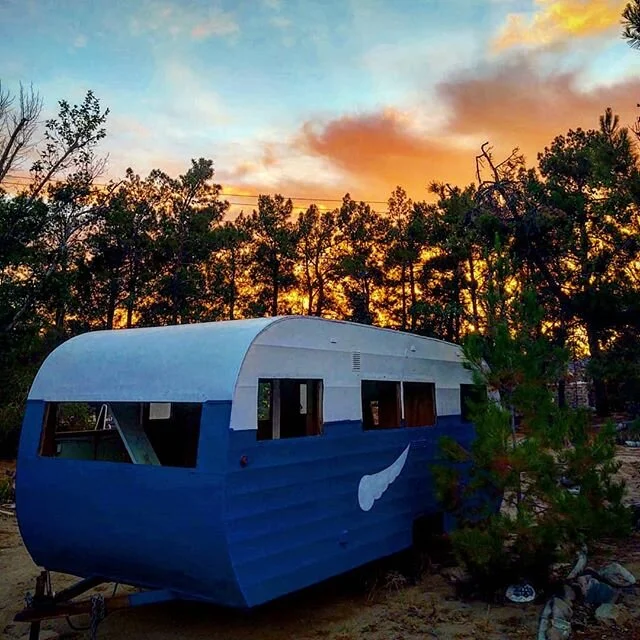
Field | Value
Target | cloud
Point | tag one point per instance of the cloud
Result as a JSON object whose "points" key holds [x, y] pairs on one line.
{"points": [[274, 5], [218, 23], [280, 22], [379, 150], [178, 20], [516, 105], [177, 118], [188, 102], [557, 21]]}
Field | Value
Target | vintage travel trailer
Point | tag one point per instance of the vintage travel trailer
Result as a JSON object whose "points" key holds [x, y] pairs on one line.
{"points": [[234, 462]]}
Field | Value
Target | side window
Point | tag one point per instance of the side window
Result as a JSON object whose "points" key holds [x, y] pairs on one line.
{"points": [[289, 408], [162, 434], [469, 395], [380, 404], [265, 409], [419, 404]]}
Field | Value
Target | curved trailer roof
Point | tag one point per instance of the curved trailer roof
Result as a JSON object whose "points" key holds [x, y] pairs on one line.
{"points": [[221, 361]]}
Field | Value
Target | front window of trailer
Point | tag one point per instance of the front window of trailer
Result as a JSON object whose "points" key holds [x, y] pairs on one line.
{"points": [[151, 433]]}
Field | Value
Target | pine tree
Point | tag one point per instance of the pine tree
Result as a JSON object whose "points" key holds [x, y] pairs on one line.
{"points": [[526, 451]]}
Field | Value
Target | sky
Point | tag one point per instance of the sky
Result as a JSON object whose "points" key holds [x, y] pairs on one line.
{"points": [[315, 98]]}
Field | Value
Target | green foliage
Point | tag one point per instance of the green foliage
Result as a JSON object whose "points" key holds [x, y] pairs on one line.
{"points": [[361, 233], [6, 490], [316, 235], [274, 251], [448, 274], [187, 213], [75, 416], [527, 449], [631, 22]]}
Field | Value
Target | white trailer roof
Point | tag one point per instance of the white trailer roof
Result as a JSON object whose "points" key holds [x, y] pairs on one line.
{"points": [[183, 363], [223, 360]]}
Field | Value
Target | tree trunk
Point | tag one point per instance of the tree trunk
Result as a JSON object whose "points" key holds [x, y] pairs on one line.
{"points": [[456, 321], [403, 291], [61, 307], [232, 300], [562, 393], [113, 299], [174, 298], [275, 282], [599, 386], [562, 383], [473, 291], [60, 318], [367, 299], [132, 284], [412, 293], [320, 299], [309, 287]]}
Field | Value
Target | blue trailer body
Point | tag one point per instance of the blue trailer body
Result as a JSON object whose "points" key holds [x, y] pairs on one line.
{"points": [[253, 519]]}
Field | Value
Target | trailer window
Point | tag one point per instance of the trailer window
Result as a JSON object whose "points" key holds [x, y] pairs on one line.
{"points": [[289, 408], [380, 404], [419, 404], [164, 434], [470, 394]]}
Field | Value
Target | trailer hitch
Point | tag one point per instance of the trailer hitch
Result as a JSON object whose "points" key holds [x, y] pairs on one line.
{"points": [[47, 605]]}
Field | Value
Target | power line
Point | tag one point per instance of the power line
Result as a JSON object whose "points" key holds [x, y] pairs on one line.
{"points": [[245, 204], [242, 195], [253, 196]]}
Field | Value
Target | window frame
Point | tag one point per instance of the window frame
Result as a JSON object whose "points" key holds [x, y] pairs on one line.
{"points": [[399, 406], [401, 400], [315, 386], [184, 422], [434, 401]]}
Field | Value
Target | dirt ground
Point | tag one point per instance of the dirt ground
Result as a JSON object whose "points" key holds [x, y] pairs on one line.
{"points": [[377, 603]]}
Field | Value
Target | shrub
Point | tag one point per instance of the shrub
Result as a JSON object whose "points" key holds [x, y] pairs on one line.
{"points": [[7, 492], [555, 473]]}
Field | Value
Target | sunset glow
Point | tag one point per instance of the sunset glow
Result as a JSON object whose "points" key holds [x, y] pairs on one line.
{"points": [[314, 99]]}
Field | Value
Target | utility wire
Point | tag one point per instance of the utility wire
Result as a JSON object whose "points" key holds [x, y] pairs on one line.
{"points": [[252, 196]]}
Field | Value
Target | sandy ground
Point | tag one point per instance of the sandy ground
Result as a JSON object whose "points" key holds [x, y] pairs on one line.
{"points": [[377, 603]]}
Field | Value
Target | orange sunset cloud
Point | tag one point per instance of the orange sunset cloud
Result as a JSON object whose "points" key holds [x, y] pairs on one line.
{"points": [[513, 105], [557, 20]]}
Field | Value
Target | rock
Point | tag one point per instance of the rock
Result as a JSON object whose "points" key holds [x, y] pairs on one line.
{"points": [[612, 614], [559, 630], [617, 576], [581, 563], [544, 626], [635, 515], [559, 571], [568, 593], [596, 592], [45, 634], [561, 610], [456, 575]]}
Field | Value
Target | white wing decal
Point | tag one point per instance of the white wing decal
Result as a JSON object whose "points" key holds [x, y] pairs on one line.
{"points": [[372, 487]]}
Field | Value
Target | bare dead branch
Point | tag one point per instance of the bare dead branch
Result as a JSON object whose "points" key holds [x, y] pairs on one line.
{"points": [[17, 127]]}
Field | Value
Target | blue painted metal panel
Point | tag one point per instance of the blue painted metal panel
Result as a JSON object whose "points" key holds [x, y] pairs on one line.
{"points": [[293, 516], [253, 521], [155, 527]]}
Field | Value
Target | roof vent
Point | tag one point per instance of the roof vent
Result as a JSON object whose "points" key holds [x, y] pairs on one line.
{"points": [[355, 361]]}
